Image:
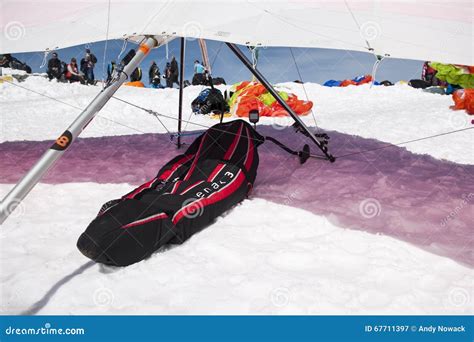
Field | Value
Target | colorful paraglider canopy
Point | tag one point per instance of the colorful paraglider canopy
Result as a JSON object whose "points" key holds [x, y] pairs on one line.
{"points": [[461, 75], [253, 96]]}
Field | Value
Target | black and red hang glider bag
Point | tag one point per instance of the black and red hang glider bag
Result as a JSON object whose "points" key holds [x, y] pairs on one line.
{"points": [[215, 173]]}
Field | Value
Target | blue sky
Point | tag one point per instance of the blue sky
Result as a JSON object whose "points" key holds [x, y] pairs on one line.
{"points": [[315, 65]]}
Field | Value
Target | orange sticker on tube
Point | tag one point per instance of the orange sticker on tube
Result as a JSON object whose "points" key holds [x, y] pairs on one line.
{"points": [[145, 49]]}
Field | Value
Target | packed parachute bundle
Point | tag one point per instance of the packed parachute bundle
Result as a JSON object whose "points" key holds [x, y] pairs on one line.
{"points": [[359, 80], [204, 79], [248, 96], [215, 173]]}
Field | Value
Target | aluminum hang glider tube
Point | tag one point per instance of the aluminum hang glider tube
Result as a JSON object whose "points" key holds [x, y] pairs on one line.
{"points": [[34, 175], [282, 102]]}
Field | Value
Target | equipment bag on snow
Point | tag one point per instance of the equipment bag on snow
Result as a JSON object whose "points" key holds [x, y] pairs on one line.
{"points": [[215, 173], [209, 100], [199, 79]]}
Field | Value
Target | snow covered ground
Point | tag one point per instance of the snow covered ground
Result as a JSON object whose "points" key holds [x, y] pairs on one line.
{"points": [[260, 258], [390, 114]]}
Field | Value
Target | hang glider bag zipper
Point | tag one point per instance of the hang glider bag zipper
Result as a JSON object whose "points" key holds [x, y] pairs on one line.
{"points": [[215, 173]]}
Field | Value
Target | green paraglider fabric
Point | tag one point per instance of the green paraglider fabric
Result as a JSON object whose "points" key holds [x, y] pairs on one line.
{"points": [[454, 74]]}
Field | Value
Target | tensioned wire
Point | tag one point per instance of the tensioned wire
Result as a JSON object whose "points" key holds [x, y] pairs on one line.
{"points": [[208, 127], [106, 44], [343, 156]]}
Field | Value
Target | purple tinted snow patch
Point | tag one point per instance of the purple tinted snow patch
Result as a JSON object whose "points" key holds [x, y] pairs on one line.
{"points": [[415, 198]]}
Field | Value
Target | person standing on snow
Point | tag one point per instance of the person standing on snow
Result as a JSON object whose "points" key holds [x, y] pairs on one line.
{"points": [[167, 75], [174, 73], [154, 75], [87, 66], [54, 67]]}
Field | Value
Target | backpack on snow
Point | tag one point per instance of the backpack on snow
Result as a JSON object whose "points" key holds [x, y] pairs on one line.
{"points": [[199, 79], [209, 100]]}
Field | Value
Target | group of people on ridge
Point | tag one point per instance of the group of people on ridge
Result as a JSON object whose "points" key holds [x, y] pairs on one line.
{"points": [[171, 74], [84, 73], [71, 72]]}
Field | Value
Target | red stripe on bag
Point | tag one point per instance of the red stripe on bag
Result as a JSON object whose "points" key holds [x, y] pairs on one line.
{"points": [[193, 166], [216, 171], [145, 220], [219, 195], [168, 173], [249, 157], [233, 146], [191, 187]]}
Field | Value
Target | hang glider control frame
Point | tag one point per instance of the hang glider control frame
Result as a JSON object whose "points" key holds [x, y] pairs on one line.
{"points": [[49, 158]]}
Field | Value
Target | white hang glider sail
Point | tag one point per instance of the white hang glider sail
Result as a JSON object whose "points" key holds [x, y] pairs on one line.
{"points": [[419, 29]]}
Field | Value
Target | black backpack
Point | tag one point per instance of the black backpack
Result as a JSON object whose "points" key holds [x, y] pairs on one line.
{"points": [[210, 100], [199, 79]]}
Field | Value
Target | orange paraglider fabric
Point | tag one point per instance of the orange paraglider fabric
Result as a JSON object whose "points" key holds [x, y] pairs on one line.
{"points": [[464, 99], [135, 84], [469, 100], [253, 96]]}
